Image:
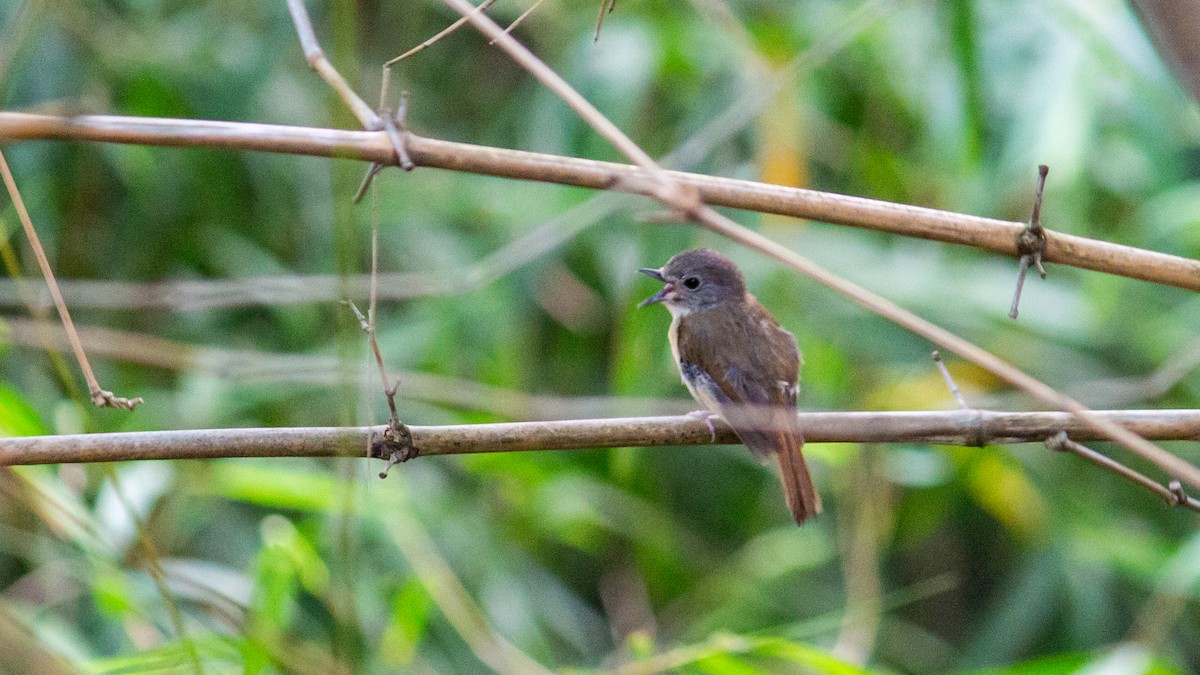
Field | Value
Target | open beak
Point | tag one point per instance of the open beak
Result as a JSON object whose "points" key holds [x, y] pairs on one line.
{"points": [[661, 294], [653, 273]]}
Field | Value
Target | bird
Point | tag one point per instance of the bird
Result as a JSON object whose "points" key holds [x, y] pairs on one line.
{"points": [[738, 362]]}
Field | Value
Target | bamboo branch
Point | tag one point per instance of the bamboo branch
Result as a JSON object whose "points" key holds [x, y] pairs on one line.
{"points": [[998, 236], [1172, 493], [953, 427]]}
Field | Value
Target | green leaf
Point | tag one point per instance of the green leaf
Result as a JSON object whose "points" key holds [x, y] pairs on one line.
{"points": [[17, 416]]}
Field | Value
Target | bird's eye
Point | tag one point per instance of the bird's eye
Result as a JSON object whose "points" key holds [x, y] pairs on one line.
{"points": [[692, 282]]}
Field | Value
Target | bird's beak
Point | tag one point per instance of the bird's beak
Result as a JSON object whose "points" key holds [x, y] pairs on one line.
{"points": [[661, 294], [666, 291]]}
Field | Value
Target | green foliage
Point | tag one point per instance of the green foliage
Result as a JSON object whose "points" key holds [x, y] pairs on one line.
{"points": [[928, 559]]}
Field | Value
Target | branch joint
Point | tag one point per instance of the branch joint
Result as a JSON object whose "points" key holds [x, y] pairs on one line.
{"points": [[395, 444]]}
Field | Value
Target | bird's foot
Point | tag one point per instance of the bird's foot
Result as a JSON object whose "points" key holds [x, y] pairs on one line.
{"points": [[707, 416]]}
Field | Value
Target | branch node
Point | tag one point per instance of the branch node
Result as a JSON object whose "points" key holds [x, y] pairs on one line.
{"points": [[682, 199], [1059, 442], [395, 444], [363, 322], [106, 399], [1031, 243], [1178, 496], [396, 125]]}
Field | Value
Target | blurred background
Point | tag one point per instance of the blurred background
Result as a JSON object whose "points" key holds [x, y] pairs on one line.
{"points": [[508, 300]]}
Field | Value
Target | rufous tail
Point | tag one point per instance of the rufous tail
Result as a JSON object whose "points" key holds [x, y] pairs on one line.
{"points": [[802, 498]]}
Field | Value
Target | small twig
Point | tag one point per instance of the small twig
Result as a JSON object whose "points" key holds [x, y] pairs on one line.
{"points": [[98, 395], [320, 64], [519, 20], [429, 43], [606, 7], [368, 178], [950, 383], [395, 442], [1031, 243], [396, 126], [976, 436], [1173, 494], [555, 83]]}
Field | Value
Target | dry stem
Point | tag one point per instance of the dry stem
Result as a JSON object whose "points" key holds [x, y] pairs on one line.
{"points": [[989, 234], [1172, 493], [431, 41], [98, 395], [952, 427]]}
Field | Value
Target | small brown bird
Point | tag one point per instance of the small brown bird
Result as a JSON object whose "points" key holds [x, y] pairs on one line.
{"points": [[738, 362]]}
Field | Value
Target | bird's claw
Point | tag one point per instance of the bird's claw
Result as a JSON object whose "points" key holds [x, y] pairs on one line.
{"points": [[707, 417]]}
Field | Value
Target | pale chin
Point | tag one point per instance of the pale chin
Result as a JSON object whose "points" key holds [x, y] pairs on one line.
{"points": [[677, 309]]}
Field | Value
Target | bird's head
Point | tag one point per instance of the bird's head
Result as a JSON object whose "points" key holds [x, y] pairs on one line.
{"points": [[696, 280]]}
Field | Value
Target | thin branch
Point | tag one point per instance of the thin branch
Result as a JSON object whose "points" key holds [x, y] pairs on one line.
{"points": [[321, 65], [951, 427], [988, 234], [428, 43], [21, 292], [950, 383], [98, 395], [395, 444], [606, 7], [1172, 494], [553, 81], [1031, 243], [520, 19]]}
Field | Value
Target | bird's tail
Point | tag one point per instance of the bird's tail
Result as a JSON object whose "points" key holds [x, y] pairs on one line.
{"points": [[802, 498]]}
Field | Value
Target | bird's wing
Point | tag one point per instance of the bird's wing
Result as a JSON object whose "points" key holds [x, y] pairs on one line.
{"points": [[761, 414], [751, 380]]}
